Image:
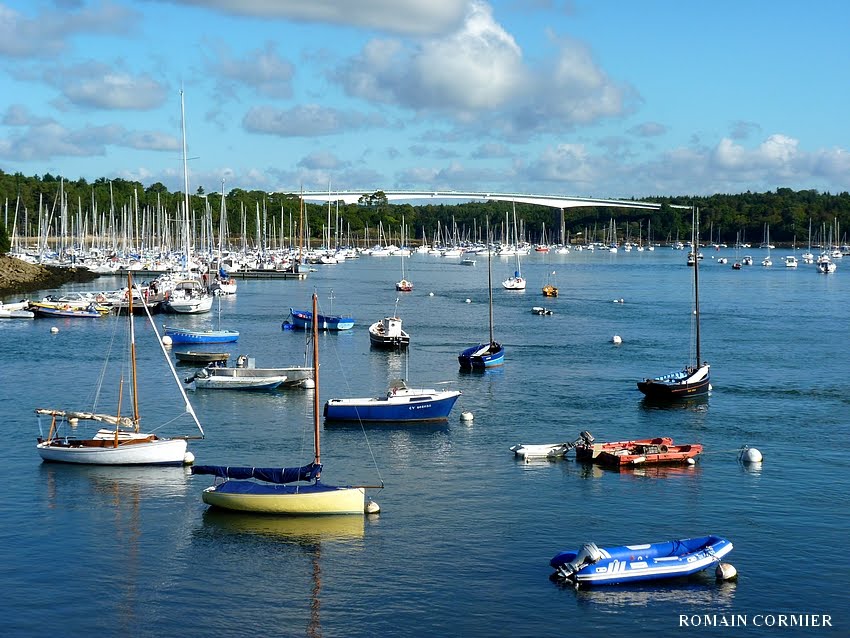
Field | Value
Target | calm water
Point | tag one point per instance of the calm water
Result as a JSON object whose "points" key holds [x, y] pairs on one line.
{"points": [[466, 532]]}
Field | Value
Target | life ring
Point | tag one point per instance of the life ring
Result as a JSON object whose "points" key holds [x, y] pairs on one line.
{"points": [[663, 449]]}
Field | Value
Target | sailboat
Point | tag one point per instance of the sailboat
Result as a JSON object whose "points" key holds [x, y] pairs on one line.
{"points": [[187, 296], [122, 443], [694, 379], [404, 285], [549, 288], [289, 491], [484, 355], [767, 261], [515, 282]]}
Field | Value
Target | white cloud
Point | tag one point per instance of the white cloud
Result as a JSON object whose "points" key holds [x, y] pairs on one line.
{"points": [[262, 69], [306, 120], [416, 17], [96, 85], [47, 34]]}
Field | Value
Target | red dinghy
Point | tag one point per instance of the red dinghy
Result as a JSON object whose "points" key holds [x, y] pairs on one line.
{"points": [[650, 454], [590, 453]]}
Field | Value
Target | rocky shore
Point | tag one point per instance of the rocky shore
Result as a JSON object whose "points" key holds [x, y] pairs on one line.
{"points": [[19, 277]]}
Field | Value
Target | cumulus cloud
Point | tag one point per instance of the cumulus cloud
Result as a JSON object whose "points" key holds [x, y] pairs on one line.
{"points": [[477, 67], [263, 69], [491, 150], [321, 160], [39, 138], [47, 34], [480, 68], [306, 120], [96, 85], [415, 17]]}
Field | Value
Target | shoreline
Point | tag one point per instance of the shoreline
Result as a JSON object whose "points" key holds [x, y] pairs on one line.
{"points": [[20, 277]]}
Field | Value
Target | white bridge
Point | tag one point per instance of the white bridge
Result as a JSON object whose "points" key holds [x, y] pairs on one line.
{"points": [[552, 201]]}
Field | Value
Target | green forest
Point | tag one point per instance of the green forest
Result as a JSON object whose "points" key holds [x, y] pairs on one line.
{"points": [[31, 204]]}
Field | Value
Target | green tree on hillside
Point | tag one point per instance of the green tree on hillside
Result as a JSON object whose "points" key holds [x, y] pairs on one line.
{"points": [[5, 243]]}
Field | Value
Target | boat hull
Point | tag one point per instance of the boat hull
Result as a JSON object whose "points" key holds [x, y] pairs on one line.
{"points": [[289, 500], [587, 453], [158, 452], [202, 358], [179, 336], [678, 385], [635, 563], [405, 407], [303, 320], [481, 357]]}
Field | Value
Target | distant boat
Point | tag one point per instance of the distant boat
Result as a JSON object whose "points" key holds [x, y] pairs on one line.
{"points": [[467, 262], [121, 443], [588, 450], [825, 265], [659, 451], [303, 320], [16, 310], [791, 261], [540, 310], [283, 491], [484, 355], [185, 335], [592, 565], [549, 288], [695, 378], [551, 450], [188, 296], [388, 333], [401, 404], [747, 260], [246, 376], [202, 358], [51, 309]]}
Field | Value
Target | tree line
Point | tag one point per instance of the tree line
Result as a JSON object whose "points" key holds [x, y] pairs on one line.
{"points": [[723, 217]]}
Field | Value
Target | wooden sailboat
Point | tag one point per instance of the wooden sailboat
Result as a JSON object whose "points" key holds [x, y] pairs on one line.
{"points": [[285, 491], [694, 379], [484, 355], [122, 443]]}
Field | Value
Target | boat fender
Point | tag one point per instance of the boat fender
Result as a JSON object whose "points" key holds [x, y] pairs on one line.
{"points": [[726, 571]]}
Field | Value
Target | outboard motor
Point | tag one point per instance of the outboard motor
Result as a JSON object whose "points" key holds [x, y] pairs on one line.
{"points": [[587, 555], [587, 437]]}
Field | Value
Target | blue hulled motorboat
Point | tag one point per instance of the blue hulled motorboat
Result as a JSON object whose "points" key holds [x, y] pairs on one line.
{"points": [[592, 565], [182, 335], [400, 405]]}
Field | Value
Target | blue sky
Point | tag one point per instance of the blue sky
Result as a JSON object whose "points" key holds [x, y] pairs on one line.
{"points": [[594, 98]]}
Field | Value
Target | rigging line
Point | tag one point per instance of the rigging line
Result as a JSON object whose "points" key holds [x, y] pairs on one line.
{"points": [[348, 387], [94, 396]]}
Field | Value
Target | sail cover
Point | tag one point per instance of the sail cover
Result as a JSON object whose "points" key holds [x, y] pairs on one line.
{"points": [[267, 474]]}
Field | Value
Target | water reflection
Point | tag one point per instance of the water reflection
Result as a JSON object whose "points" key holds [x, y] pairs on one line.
{"points": [[698, 590], [307, 533], [691, 404]]}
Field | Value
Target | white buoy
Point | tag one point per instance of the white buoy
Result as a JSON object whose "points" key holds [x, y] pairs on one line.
{"points": [[54, 330], [617, 339], [430, 294], [751, 455], [308, 384], [726, 571], [622, 300], [469, 301], [188, 458], [166, 340], [466, 416], [372, 507], [691, 461]]}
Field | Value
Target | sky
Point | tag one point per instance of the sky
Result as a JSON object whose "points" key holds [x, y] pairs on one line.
{"points": [[586, 98]]}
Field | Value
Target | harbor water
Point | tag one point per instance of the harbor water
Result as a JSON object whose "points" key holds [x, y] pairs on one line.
{"points": [[466, 531]]}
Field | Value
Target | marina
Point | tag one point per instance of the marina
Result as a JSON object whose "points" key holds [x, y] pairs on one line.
{"points": [[467, 527]]}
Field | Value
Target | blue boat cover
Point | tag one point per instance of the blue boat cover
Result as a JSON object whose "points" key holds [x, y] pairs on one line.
{"points": [[267, 474]]}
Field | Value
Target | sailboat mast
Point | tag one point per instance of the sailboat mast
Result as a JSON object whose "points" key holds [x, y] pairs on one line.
{"points": [[490, 280], [133, 382], [185, 183], [315, 323], [696, 280]]}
